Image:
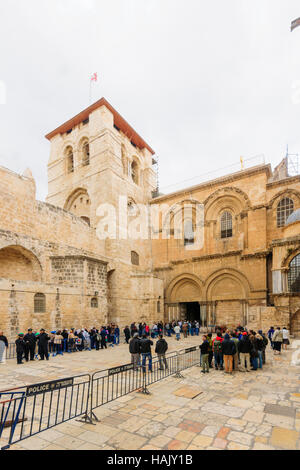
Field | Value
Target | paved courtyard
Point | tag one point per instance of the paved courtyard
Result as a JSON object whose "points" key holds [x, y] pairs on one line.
{"points": [[256, 410]]}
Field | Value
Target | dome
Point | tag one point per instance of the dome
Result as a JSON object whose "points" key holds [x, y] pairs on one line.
{"points": [[294, 217]]}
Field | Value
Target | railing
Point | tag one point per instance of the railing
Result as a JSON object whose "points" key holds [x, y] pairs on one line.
{"points": [[33, 409]]}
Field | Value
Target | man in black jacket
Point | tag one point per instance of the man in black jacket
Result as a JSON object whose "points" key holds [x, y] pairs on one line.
{"points": [[161, 349], [135, 349], [228, 350], [20, 347], [145, 345], [245, 350], [30, 342], [43, 340]]}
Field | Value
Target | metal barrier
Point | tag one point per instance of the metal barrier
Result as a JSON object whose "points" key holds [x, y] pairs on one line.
{"points": [[45, 405], [38, 407]]}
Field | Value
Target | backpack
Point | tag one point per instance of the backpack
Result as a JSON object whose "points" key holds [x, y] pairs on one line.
{"points": [[217, 346]]}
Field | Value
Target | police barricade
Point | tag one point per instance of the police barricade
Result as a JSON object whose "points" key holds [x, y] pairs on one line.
{"points": [[162, 367], [11, 352], [45, 405], [186, 358], [10, 408]]}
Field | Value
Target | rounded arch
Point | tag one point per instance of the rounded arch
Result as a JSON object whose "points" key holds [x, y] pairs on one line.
{"points": [[176, 210], [232, 191], [289, 257], [19, 264], [79, 204], [227, 283], [290, 193], [135, 167], [185, 287]]}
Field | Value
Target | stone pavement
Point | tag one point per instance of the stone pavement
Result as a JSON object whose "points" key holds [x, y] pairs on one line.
{"points": [[257, 410]]}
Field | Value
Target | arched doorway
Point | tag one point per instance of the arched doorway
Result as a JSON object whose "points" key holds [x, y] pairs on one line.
{"points": [[183, 299]]}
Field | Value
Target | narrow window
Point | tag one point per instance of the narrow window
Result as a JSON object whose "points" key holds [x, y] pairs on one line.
{"points": [[85, 154], [284, 210], [39, 303], [135, 259], [94, 302], [226, 225]]}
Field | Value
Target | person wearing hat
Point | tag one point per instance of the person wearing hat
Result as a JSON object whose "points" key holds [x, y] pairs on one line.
{"points": [[43, 340], [20, 347], [135, 350], [30, 342]]}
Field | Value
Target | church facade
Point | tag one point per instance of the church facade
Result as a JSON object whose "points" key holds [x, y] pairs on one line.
{"points": [[92, 254]]}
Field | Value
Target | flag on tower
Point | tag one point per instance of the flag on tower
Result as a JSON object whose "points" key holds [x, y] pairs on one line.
{"points": [[295, 23], [94, 77]]}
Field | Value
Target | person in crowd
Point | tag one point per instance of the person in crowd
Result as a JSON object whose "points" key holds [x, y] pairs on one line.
{"points": [[185, 328], [168, 329], [228, 350], [204, 348], [20, 347], [3, 347], [254, 350], [43, 340], [285, 338], [244, 347], [71, 341], [127, 334], [58, 339], [145, 345], [161, 348], [210, 349], [197, 328], [135, 350], [235, 339], [265, 344], [270, 335], [260, 349], [277, 340], [217, 351], [30, 344], [177, 332], [117, 336], [103, 334]]}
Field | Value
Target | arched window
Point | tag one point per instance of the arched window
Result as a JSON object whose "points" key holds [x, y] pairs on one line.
{"points": [[135, 259], [226, 225], [188, 232], [284, 210], [294, 275], [94, 302], [70, 159], [39, 303], [134, 172], [85, 153]]}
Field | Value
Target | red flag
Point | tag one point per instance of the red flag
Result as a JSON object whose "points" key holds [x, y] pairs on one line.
{"points": [[94, 77], [295, 23]]}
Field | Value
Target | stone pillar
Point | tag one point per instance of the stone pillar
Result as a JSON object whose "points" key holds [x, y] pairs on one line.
{"points": [[13, 313]]}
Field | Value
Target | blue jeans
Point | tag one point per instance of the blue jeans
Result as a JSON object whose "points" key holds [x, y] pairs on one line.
{"points": [[218, 359], [144, 356], [178, 336], [254, 361], [260, 361], [197, 331]]}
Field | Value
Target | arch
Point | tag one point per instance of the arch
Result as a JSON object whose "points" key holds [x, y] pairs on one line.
{"points": [[79, 204], [292, 193], [234, 282], [19, 264], [228, 196], [289, 257], [185, 287]]}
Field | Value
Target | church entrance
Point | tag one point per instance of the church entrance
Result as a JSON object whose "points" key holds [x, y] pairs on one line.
{"points": [[190, 311]]}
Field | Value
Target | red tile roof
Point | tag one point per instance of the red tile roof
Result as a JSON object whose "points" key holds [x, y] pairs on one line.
{"points": [[119, 122]]}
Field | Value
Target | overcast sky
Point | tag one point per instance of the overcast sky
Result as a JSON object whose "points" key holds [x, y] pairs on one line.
{"points": [[203, 82]]}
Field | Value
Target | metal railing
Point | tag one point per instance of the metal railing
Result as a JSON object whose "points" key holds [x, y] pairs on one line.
{"points": [[33, 409]]}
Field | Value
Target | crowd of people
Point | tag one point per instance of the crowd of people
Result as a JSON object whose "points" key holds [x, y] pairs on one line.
{"points": [[229, 350]]}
